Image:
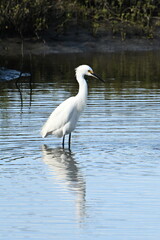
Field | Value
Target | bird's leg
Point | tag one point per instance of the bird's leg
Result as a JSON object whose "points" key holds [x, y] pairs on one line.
{"points": [[63, 141], [69, 142]]}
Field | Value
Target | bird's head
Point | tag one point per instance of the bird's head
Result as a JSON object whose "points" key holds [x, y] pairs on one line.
{"points": [[86, 70]]}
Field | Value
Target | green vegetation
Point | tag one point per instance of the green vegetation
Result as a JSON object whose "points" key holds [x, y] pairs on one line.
{"points": [[116, 17], [24, 16]]}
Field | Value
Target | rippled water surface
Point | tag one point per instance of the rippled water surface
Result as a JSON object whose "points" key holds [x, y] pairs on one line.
{"points": [[108, 186]]}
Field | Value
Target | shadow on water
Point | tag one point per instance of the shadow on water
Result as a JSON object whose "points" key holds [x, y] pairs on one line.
{"points": [[66, 171]]}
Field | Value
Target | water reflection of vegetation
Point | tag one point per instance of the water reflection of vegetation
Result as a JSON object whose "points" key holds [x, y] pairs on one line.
{"points": [[127, 69], [121, 70]]}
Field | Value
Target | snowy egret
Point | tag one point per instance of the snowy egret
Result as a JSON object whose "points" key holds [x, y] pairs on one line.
{"points": [[63, 119]]}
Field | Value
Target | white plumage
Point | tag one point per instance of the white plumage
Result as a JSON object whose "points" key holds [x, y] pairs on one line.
{"points": [[63, 119]]}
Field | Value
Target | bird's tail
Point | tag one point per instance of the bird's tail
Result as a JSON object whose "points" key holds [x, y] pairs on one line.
{"points": [[43, 132]]}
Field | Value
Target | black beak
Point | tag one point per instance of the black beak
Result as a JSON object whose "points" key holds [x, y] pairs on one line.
{"points": [[94, 75]]}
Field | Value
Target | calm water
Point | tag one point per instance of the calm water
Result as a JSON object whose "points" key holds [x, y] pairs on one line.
{"points": [[108, 187]]}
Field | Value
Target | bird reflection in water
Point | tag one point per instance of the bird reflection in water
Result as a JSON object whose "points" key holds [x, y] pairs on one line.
{"points": [[65, 169]]}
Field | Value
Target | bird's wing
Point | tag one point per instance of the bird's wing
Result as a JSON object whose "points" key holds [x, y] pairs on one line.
{"points": [[59, 117]]}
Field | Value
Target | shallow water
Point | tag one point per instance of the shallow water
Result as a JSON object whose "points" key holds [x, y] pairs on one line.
{"points": [[107, 187]]}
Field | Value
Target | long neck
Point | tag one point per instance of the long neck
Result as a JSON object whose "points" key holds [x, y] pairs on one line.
{"points": [[83, 89]]}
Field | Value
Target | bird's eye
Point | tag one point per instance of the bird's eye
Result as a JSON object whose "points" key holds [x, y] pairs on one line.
{"points": [[89, 71]]}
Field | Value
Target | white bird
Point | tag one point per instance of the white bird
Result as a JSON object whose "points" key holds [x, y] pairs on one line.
{"points": [[63, 119]]}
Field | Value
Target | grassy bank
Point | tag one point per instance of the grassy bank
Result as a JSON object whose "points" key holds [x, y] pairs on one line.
{"points": [[125, 18]]}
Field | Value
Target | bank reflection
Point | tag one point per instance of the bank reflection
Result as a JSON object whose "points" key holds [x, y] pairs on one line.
{"points": [[66, 171]]}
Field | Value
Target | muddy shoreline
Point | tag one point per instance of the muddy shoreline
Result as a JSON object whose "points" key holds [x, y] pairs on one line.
{"points": [[81, 44]]}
